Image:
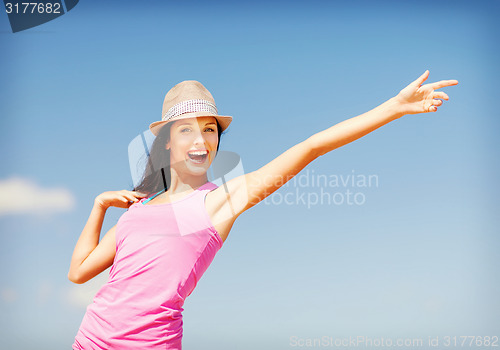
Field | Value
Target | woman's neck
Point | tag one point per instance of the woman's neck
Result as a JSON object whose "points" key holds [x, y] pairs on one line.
{"points": [[182, 183]]}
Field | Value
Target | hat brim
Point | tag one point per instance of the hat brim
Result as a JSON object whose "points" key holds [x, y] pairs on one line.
{"points": [[223, 120]]}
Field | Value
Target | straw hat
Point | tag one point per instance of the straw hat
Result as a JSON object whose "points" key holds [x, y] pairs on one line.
{"points": [[188, 99]]}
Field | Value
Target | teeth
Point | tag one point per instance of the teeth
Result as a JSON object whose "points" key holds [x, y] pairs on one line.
{"points": [[198, 153]]}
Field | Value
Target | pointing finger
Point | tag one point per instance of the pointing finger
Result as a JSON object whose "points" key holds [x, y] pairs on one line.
{"points": [[443, 83]]}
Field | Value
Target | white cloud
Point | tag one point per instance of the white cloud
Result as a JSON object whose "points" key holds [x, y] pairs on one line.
{"points": [[22, 196]]}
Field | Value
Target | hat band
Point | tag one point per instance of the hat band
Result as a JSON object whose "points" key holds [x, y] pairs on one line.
{"points": [[189, 106]]}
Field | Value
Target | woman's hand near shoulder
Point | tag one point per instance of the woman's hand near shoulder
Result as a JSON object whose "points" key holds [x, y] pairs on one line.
{"points": [[120, 199]]}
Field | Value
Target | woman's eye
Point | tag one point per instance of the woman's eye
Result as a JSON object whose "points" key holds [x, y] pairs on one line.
{"points": [[188, 129]]}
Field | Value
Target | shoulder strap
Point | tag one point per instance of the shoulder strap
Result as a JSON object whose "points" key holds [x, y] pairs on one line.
{"points": [[148, 199], [209, 186]]}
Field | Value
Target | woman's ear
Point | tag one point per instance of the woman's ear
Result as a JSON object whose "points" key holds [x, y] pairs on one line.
{"points": [[167, 146]]}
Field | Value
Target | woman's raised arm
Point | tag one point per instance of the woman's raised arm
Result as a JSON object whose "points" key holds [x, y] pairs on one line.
{"points": [[247, 190]]}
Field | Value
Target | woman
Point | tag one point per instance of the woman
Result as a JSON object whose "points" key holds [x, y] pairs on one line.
{"points": [[162, 245]]}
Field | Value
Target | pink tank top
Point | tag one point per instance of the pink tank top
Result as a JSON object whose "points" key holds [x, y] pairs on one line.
{"points": [[162, 251]]}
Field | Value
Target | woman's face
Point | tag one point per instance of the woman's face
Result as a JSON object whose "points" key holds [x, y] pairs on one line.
{"points": [[193, 145]]}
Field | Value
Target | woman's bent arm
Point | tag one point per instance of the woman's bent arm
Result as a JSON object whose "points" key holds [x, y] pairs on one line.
{"points": [[81, 268], [90, 256]]}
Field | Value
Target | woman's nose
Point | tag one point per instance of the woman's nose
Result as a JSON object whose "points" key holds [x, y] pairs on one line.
{"points": [[198, 138]]}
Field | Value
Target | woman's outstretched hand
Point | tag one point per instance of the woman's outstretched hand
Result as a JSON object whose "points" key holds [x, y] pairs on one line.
{"points": [[418, 98], [120, 199]]}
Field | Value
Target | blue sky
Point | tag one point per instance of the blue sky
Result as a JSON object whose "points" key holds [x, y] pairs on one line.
{"points": [[418, 257]]}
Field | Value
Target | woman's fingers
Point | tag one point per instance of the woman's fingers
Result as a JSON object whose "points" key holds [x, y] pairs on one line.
{"points": [[437, 102], [440, 94], [421, 79], [135, 196], [121, 199], [442, 84], [131, 198], [434, 105], [418, 98], [132, 194], [125, 196]]}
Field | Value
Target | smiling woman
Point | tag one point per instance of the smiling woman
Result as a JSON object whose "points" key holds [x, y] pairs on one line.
{"points": [[160, 250]]}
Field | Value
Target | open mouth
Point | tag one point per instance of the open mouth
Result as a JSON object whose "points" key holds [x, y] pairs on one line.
{"points": [[198, 157]]}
